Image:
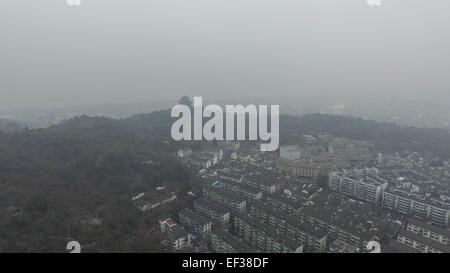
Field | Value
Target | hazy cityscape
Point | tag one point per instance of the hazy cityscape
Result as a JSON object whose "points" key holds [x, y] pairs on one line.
{"points": [[89, 162]]}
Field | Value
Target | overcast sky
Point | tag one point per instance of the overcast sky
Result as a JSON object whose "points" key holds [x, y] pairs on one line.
{"points": [[109, 51]]}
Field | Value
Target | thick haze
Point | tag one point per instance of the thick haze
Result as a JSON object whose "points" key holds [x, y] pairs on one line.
{"points": [[110, 51]]}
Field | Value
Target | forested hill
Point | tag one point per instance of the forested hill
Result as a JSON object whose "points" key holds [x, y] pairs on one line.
{"points": [[56, 183], [388, 137]]}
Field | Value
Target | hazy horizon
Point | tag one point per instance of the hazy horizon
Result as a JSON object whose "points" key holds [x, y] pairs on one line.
{"points": [[111, 51]]}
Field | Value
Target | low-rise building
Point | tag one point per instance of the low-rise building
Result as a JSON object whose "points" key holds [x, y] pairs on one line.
{"points": [[435, 233], [285, 204], [224, 242], [224, 197], [350, 149], [291, 152], [338, 246], [363, 184], [437, 211], [309, 169], [178, 238], [166, 224], [313, 239], [153, 199], [194, 222], [421, 243], [264, 237], [245, 190], [218, 213]]}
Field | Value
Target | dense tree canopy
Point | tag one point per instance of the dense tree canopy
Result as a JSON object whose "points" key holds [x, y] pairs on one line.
{"points": [[388, 137]]}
